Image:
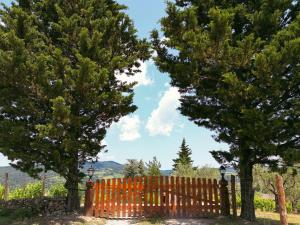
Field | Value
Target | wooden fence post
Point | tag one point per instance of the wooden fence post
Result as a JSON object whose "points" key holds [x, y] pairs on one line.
{"points": [[6, 188], [89, 199], [233, 196], [281, 198], [225, 205]]}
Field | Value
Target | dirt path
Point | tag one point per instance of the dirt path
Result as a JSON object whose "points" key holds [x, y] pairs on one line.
{"points": [[167, 222]]}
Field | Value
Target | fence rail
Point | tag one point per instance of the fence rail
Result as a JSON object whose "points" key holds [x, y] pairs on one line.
{"points": [[155, 196]]}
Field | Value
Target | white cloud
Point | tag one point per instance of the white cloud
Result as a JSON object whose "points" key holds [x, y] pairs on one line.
{"points": [[129, 127], [163, 118], [141, 78]]}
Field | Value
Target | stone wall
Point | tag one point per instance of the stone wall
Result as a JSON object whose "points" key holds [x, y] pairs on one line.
{"points": [[44, 205]]}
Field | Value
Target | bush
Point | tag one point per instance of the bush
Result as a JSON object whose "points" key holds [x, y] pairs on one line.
{"points": [[264, 204], [1, 191], [57, 190], [32, 190]]}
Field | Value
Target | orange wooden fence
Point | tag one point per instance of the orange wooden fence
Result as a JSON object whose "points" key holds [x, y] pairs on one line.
{"points": [[156, 196]]}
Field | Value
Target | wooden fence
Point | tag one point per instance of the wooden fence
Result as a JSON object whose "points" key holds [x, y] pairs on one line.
{"points": [[154, 196]]}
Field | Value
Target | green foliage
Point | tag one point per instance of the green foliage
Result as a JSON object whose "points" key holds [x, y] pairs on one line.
{"points": [[265, 204], [153, 167], [264, 182], [184, 155], [59, 81], [58, 190], [1, 191], [32, 190], [184, 170], [134, 168], [236, 64]]}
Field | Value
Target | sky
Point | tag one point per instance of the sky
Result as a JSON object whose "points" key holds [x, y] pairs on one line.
{"points": [[157, 127]]}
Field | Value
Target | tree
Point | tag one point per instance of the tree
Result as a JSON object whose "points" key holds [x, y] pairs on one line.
{"points": [[264, 181], [59, 90], [134, 168], [184, 170], [236, 65], [153, 167], [184, 155]]}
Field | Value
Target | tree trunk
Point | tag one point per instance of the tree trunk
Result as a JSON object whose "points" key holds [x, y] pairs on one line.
{"points": [[247, 192], [72, 181], [276, 203]]}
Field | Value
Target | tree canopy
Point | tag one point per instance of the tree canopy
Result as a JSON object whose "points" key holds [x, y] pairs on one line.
{"points": [[58, 86], [236, 64]]}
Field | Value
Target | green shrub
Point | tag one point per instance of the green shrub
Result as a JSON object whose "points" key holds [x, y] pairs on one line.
{"points": [[264, 204], [1, 191], [289, 207], [32, 190], [57, 190]]}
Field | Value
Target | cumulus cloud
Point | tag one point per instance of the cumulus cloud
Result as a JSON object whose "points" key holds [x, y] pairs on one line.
{"points": [[129, 128], [162, 120], [141, 78]]}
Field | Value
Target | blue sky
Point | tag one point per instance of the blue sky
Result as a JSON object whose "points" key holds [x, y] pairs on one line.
{"points": [[156, 128]]}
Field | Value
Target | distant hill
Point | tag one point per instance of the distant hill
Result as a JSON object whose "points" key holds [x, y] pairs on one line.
{"points": [[104, 169], [105, 165]]}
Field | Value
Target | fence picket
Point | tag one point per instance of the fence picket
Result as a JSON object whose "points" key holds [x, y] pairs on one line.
{"points": [[97, 190], [102, 203], [183, 194], [162, 197], [113, 201], [118, 193], [108, 192], [204, 187], [210, 196], [189, 199], [129, 197], [167, 196], [194, 197], [140, 196], [156, 209], [199, 196], [124, 198], [172, 190], [216, 197]]}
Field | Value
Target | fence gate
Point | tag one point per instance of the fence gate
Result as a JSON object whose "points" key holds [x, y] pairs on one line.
{"points": [[155, 196]]}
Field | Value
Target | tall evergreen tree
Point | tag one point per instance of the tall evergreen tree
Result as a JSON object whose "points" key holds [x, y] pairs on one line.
{"points": [[184, 156], [236, 64], [59, 90]]}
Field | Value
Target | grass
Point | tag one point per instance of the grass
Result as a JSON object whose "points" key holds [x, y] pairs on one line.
{"points": [[263, 218]]}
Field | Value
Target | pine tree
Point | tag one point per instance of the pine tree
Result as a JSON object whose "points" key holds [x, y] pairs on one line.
{"points": [[134, 168], [236, 64], [184, 156], [153, 167], [59, 90]]}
